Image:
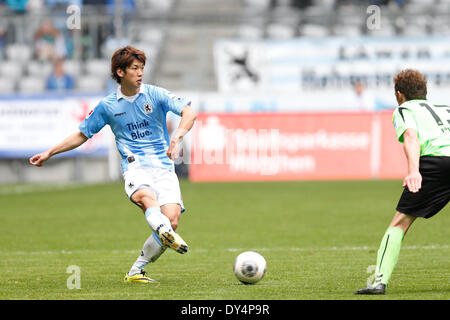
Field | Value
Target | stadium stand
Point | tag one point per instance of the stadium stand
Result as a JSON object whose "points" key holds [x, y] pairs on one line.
{"points": [[180, 38], [179, 35]]}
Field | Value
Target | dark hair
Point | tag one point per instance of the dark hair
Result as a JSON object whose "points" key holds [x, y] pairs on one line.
{"points": [[412, 84], [123, 58]]}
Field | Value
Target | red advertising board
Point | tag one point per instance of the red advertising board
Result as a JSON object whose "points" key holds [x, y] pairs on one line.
{"points": [[294, 146]]}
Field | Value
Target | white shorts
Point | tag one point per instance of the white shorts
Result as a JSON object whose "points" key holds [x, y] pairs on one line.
{"points": [[162, 182]]}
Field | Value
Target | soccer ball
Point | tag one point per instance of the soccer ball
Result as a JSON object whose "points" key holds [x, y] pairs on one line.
{"points": [[249, 267]]}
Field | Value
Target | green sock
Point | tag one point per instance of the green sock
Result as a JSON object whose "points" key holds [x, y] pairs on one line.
{"points": [[388, 254]]}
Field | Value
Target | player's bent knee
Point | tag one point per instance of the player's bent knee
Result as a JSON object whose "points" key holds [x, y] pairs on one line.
{"points": [[174, 217], [173, 212], [402, 221], [174, 223], [144, 198]]}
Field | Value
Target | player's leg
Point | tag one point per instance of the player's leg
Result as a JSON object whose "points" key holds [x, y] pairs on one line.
{"points": [[388, 253], [137, 187], [151, 251], [432, 197], [402, 221], [159, 222], [169, 197], [152, 248], [173, 240], [146, 200], [390, 246], [173, 212]]}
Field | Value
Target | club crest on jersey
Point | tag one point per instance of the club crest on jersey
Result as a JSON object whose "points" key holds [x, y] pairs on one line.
{"points": [[148, 108]]}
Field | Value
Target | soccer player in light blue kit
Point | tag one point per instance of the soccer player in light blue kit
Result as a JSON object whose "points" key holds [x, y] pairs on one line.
{"points": [[136, 113]]}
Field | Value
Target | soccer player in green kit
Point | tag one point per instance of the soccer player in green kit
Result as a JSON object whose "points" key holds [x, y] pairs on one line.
{"points": [[424, 130]]}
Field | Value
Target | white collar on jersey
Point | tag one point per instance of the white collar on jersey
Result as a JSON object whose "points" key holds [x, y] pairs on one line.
{"points": [[128, 98]]}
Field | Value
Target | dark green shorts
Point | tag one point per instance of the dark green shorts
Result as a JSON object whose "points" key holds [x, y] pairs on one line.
{"points": [[435, 191]]}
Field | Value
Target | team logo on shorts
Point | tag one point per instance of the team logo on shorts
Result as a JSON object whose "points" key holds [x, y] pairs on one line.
{"points": [[148, 108]]}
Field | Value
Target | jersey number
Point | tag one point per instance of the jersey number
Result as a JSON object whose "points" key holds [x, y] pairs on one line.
{"points": [[434, 114]]}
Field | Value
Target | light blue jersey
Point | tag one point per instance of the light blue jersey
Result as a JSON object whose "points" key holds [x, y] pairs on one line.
{"points": [[140, 126]]}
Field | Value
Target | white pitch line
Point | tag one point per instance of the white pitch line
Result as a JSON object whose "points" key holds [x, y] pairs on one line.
{"points": [[88, 251]]}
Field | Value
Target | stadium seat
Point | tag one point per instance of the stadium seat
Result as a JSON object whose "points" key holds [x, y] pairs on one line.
{"points": [[163, 6], [97, 67], [314, 30], [257, 4], [415, 7], [19, 52], [440, 26], [7, 85], [11, 69], [151, 35], [317, 12], [31, 85], [39, 69], [347, 30], [427, 3], [324, 3], [247, 31], [386, 29], [280, 31], [72, 67], [350, 10], [90, 83]]}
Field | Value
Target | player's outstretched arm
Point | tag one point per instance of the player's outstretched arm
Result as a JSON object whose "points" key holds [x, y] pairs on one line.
{"points": [[71, 142], [188, 117], [411, 147]]}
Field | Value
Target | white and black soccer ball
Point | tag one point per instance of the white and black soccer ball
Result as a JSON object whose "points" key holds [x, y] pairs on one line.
{"points": [[249, 267]]}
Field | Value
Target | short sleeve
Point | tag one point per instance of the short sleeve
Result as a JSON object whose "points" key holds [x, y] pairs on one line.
{"points": [[403, 119], [94, 121], [173, 103]]}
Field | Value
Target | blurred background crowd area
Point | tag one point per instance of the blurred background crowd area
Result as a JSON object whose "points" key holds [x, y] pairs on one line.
{"points": [[38, 52], [269, 58]]}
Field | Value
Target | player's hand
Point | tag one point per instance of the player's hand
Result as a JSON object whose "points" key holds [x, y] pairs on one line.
{"points": [[39, 158], [174, 150], [413, 181]]}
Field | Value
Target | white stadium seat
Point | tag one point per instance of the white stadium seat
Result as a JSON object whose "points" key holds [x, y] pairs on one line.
{"points": [[11, 69], [280, 31], [19, 52], [150, 34], [7, 85], [247, 31], [73, 67], [90, 83], [39, 69], [32, 85], [97, 67], [314, 30]]}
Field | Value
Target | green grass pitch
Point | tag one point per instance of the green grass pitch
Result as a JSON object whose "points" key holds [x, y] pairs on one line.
{"points": [[319, 239]]}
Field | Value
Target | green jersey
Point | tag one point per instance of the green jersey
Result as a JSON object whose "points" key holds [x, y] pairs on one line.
{"points": [[431, 122]]}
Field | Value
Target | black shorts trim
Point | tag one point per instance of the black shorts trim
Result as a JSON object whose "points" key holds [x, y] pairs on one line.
{"points": [[435, 191]]}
